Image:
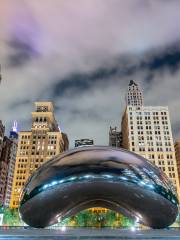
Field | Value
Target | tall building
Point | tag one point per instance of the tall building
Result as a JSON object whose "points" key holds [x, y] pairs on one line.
{"points": [[37, 146], [11, 166], [2, 130], [134, 95], [2, 181], [147, 131], [177, 151], [115, 137], [84, 142], [4, 164]]}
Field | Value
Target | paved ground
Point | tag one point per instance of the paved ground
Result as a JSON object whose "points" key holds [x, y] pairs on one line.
{"points": [[82, 234]]}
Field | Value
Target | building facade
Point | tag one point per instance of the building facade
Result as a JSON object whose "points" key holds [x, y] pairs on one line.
{"points": [[134, 95], [147, 131], [115, 137], [177, 151], [2, 130], [11, 167], [37, 146], [4, 165]]}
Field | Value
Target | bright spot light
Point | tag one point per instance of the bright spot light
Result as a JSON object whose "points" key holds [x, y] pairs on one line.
{"points": [[72, 178], [45, 186], [63, 228], [87, 176], [14, 127], [143, 183], [108, 176], [53, 183], [123, 178], [137, 219], [151, 186], [133, 229]]}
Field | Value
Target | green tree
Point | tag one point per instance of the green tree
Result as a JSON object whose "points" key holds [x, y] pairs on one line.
{"points": [[11, 217], [87, 218]]}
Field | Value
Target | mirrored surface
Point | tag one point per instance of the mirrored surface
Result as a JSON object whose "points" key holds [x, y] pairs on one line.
{"points": [[99, 177]]}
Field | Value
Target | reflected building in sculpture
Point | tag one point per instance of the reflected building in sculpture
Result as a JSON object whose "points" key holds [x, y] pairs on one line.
{"points": [[95, 176], [35, 147], [89, 142], [147, 131]]}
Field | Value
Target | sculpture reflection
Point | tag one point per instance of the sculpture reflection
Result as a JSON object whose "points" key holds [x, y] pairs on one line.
{"points": [[99, 177]]}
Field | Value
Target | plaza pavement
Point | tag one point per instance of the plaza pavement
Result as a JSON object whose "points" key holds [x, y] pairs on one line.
{"points": [[67, 234]]}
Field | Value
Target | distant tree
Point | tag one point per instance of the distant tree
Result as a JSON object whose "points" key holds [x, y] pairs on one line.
{"points": [[11, 217], [87, 218]]}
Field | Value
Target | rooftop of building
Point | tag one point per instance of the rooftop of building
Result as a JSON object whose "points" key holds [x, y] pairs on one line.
{"points": [[44, 106], [132, 83]]}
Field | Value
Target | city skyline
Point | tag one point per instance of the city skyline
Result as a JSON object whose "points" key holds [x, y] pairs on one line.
{"points": [[84, 70], [118, 124]]}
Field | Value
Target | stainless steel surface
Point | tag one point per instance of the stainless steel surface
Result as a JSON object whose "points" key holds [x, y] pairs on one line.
{"points": [[99, 176]]}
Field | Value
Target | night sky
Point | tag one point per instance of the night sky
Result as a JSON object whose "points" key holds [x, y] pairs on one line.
{"points": [[81, 54]]}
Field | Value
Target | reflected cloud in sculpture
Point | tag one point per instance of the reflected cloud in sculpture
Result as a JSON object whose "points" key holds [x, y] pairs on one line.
{"points": [[99, 177]]}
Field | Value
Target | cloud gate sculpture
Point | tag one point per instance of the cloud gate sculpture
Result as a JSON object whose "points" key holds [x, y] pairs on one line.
{"points": [[98, 177]]}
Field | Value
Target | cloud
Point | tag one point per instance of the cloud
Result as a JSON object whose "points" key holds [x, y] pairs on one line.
{"points": [[81, 55], [22, 53]]}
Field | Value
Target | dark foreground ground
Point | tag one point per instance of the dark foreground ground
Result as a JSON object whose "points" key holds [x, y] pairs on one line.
{"points": [[47, 234]]}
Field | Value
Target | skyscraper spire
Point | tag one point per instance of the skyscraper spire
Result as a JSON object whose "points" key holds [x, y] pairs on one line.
{"points": [[134, 95], [14, 133], [14, 126], [132, 83]]}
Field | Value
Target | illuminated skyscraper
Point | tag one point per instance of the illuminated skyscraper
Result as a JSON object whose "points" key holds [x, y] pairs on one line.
{"points": [[11, 166], [7, 162], [35, 147], [2, 130], [147, 131], [4, 164]]}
